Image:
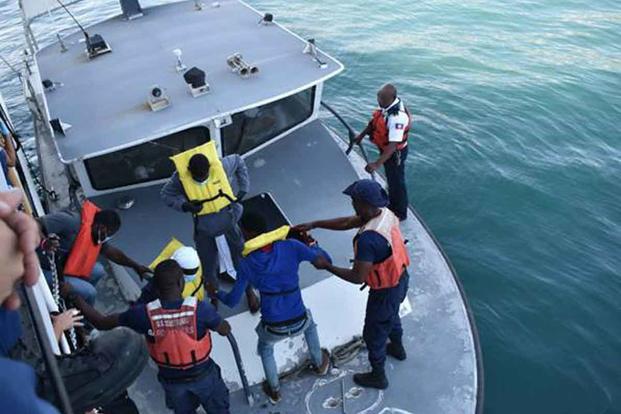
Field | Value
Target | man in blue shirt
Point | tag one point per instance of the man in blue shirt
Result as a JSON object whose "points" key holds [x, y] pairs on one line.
{"points": [[273, 269], [177, 335], [380, 262]]}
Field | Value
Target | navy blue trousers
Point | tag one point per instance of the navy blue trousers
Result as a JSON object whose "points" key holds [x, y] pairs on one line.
{"points": [[208, 391], [395, 176], [382, 320]]}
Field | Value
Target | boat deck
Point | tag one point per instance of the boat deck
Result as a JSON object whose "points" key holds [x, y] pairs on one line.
{"points": [[441, 372], [105, 98]]}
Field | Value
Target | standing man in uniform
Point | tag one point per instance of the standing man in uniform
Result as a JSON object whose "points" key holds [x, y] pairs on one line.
{"points": [[388, 129], [380, 262], [211, 190], [178, 339]]}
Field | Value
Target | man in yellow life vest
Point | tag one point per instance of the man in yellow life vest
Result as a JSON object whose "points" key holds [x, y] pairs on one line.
{"points": [[210, 190]]}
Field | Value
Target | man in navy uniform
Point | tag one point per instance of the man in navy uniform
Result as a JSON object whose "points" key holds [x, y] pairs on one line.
{"points": [[389, 128], [380, 262], [178, 340]]}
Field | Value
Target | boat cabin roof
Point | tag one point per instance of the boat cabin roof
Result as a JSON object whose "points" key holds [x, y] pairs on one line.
{"points": [[104, 99]]}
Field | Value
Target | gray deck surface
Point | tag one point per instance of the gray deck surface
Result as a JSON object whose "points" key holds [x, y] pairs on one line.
{"points": [[289, 169], [105, 98], [440, 374]]}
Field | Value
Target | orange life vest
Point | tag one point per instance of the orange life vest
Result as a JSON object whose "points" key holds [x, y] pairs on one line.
{"points": [[84, 251], [379, 127], [175, 336], [387, 273]]}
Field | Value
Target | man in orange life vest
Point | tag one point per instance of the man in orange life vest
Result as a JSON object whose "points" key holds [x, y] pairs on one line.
{"points": [[178, 340], [380, 262], [389, 128], [77, 239]]}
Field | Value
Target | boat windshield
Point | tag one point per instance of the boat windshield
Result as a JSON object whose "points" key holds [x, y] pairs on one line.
{"points": [[255, 126], [142, 163]]}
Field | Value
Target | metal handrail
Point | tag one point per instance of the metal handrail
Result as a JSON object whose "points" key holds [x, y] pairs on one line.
{"points": [[240, 368], [350, 131]]}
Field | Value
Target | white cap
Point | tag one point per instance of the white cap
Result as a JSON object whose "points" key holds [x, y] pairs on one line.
{"points": [[187, 257]]}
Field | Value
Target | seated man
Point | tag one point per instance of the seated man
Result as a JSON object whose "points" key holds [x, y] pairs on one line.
{"points": [[187, 258], [75, 241], [271, 265], [178, 339]]}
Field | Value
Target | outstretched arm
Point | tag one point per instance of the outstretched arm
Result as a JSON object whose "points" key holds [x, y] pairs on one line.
{"points": [[120, 258], [341, 223], [357, 274], [232, 298], [99, 321]]}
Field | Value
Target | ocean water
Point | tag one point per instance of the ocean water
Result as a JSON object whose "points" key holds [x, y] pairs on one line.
{"points": [[515, 164]]}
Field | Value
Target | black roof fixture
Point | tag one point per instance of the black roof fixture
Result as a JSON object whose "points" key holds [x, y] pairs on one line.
{"points": [[311, 49], [158, 99], [95, 44], [131, 9], [267, 19], [195, 78]]}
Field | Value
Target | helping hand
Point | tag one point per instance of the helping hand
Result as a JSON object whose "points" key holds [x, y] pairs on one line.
{"points": [[51, 243], [210, 289], [143, 271], [371, 167], [321, 262], [304, 227], [68, 319]]}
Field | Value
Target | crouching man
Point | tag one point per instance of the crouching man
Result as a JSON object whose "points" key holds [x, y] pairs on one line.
{"points": [[178, 340], [270, 264]]}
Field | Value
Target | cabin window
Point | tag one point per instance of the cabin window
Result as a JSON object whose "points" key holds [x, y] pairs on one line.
{"points": [[256, 126], [142, 163]]}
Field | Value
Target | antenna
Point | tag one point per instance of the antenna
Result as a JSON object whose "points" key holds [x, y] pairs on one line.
{"points": [[74, 19], [95, 45]]}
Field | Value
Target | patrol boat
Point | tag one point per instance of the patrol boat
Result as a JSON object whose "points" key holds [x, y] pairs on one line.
{"points": [[111, 104]]}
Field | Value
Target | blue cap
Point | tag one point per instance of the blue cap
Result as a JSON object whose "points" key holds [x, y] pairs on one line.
{"points": [[368, 191]]}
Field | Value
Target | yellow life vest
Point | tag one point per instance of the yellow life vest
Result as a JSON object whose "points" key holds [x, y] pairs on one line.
{"points": [[265, 239], [217, 182], [195, 286]]}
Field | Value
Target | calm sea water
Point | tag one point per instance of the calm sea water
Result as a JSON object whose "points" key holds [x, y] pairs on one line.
{"points": [[515, 164]]}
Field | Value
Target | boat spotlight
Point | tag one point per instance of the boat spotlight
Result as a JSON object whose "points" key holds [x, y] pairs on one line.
{"points": [[237, 64], [158, 99], [311, 49], [195, 78], [180, 67]]}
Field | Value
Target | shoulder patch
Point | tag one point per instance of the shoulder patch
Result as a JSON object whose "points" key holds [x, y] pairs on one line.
{"points": [[399, 126]]}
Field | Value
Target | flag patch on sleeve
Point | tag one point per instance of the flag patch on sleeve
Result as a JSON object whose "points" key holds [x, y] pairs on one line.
{"points": [[399, 126]]}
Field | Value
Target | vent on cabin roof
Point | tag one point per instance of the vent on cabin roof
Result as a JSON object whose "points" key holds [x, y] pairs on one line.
{"points": [[131, 9]]}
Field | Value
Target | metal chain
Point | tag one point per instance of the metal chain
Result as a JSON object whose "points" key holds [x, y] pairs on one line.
{"points": [[51, 256]]}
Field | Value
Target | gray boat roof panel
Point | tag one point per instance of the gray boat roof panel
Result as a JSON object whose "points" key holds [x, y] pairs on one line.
{"points": [[105, 99]]}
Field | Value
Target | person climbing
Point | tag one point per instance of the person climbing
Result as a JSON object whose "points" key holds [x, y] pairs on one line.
{"points": [[178, 340], [76, 240], [389, 129], [380, 262], [188, 259], [211, 190], [270, 264]]}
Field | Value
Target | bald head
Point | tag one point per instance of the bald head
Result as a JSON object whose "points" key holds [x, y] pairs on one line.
{"points": [[386, 95]]}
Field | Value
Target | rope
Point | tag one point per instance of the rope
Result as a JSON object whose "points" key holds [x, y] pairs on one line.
{"points": [[342, 354], [51, 256]]}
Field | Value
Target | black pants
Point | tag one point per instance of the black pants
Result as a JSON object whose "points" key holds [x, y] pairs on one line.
{"points": [[382, 321], [397, 191]]}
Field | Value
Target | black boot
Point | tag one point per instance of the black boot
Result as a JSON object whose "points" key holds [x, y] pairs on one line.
{"points": [[396, 350], [374, 379], [96, 375]]}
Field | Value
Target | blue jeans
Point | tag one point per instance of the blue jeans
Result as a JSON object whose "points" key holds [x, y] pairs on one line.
{"points": [[84, 288], [268, 339], [208, 390], [382, 321], [395, 176]]}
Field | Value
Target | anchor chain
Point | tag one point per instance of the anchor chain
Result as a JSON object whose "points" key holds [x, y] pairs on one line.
{"points": [[60, 302]]}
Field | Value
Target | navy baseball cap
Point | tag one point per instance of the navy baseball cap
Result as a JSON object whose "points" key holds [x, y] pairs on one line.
{"points": [[368, 191]]}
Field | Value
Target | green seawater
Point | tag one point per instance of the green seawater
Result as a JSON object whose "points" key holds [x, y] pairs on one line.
{"points": [[515, 164]]}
